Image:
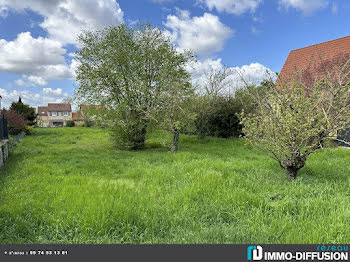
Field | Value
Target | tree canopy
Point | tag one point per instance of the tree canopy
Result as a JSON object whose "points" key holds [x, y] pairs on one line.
{"points": [[26, 111], [125, 70], [293, 119]]}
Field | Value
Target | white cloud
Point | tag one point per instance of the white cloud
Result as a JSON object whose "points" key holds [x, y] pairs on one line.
{"points": [[20, 82], [55, 92], [254, 73], [64, 19], [236, 7], [199, 68], [31, 98], [37, 80], [203, 34], [39, 58], [307, 7], [31, 81], [25, 54]]}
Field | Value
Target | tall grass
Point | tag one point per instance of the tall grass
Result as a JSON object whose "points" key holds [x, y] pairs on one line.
{"points": [[69, 185]]}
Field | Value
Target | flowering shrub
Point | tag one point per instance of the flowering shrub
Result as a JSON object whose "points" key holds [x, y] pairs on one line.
{"points": [[16, 122]]}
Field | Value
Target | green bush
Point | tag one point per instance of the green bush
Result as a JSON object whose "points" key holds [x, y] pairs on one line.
{"points": [[218, 118], [130, 137], [88, 123], [224, 121], [70, 123], [26, 111], [29, 130]]}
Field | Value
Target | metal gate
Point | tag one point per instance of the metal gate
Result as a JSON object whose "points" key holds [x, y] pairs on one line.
{"points": [[3, 128]]}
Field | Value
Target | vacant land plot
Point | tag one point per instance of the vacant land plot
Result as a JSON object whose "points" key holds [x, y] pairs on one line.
{"points": [[69, 185]]}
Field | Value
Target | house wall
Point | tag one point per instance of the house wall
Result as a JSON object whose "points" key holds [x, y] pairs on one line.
{"points": [[43, 121], [46, 121]]}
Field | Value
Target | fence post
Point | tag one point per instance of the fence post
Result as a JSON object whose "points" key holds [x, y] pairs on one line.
{"points": [[2, 127], [6, 130], [1, 157]]}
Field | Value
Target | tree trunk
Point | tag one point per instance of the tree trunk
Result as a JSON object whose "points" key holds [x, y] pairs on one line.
{"points": [[137, 134], [201, 135], [293, 166], [291, 173], [176, 136], [139, 138]]}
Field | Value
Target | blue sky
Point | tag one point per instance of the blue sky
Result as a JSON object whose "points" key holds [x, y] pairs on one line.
{"points": [[38, 37]]}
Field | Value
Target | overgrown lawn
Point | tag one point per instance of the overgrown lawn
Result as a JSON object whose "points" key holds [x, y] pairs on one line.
{"points": [[69, 185]]}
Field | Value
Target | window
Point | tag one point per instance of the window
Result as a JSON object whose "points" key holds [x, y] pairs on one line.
{"points": [[66, 113], [53, 113]]}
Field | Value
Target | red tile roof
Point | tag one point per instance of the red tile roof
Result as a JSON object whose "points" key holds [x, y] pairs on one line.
{"points": [[309, 58], [77, 116], [42, 110], [59, 107]]}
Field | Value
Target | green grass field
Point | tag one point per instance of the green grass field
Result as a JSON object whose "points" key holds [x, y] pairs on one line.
{"points": [[69, 185]]}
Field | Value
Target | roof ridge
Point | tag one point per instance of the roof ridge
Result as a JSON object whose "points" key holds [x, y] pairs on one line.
{"points": [[320, 43]]}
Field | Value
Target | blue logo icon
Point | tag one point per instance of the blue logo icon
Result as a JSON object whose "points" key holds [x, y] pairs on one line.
{"points": [[255, 253]]}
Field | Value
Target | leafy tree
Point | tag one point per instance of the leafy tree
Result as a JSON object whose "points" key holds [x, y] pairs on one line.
{"points": [[123, 70], [218, 107], [176, 114], [247, 98], [203, 107], [294, 118], [26, 111], [217, 82], [225, 118], [216, 86]]}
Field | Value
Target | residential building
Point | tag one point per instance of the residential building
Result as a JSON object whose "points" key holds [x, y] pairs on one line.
{"points": [[78, 119], [311, 59], [309, 64], [54, 115]]}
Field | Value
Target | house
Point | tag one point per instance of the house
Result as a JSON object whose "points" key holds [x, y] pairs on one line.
{"points": [[311, 62], [54, 115], [78, 119]]}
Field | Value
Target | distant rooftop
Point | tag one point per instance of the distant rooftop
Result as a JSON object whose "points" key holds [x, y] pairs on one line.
{"points": [[58, 107]]}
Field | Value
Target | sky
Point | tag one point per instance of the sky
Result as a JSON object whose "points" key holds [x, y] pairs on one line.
{"points": [[38, 37]]}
